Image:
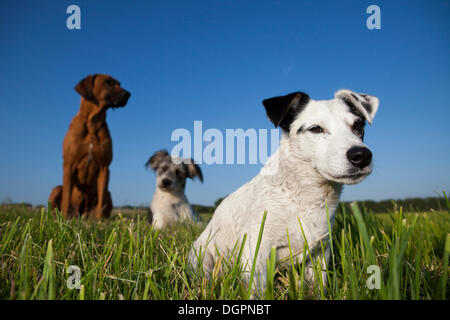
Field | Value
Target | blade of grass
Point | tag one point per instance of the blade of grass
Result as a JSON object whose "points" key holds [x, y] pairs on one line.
{"points": [[258, 243], [444, 276]]}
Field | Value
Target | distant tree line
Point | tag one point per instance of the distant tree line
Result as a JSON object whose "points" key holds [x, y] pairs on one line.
{"points": [[203, 209], [408, 205], [384, 206]]}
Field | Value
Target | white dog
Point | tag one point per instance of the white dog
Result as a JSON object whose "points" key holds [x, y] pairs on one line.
{"points": [[169, 203], [320, 150]]}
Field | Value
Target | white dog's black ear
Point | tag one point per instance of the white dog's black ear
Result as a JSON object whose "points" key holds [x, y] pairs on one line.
{"points": [[156, 159], [192, 169], [282, 110], [364, 104]]}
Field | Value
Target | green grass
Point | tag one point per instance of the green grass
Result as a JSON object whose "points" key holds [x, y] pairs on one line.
{"points": [[124, 258]]}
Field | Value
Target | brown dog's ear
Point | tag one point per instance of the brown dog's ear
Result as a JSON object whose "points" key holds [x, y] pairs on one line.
{"points": [[282, 110], [193, 170], [156, 159], [85, 87]]}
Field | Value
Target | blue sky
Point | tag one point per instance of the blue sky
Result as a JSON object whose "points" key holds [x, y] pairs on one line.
{"points": [[215, 61]]}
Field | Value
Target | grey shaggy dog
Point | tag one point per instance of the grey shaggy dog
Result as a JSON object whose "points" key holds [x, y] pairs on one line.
{"points": [[169, 204]]}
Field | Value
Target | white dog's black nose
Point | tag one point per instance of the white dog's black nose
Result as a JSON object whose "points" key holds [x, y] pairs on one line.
{"points": [[359, 156], [166, 182]]}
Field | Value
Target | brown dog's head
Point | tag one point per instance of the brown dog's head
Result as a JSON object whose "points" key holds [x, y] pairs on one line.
{"points": [[102, 89]]}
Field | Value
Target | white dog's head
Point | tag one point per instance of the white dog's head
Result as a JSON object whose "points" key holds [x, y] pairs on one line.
{"points": [[327, 133]]}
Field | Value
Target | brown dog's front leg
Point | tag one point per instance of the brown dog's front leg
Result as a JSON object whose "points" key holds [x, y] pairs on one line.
{"points": [[66, 191], [102, 189]]}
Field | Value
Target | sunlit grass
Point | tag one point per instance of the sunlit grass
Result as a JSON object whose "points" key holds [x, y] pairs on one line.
{"points": [[124, 258]]}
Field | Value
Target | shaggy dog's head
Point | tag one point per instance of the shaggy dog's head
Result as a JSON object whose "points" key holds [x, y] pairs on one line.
{"points": [[173, 171]]}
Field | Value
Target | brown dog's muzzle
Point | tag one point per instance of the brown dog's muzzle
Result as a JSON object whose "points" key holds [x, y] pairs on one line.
{"points": [[121, 99]]}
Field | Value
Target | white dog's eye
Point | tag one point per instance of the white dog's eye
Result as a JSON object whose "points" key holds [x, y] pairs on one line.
{"points": [[358, 127], [316, 129]]}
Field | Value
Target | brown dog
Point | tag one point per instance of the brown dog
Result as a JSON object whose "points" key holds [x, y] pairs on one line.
{"points": [[87, 150]]}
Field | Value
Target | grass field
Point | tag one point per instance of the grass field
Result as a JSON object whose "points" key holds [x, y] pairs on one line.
{"points": [[124, 258]]}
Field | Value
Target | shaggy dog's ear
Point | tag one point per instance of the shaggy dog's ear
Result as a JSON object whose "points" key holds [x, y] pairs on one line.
{"points": [[362, 103], [282, 110], [156, 159], [193, 170], [85, 87]]}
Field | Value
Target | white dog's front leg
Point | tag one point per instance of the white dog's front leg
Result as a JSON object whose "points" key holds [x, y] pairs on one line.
{"points": [[318, 271], [201, 258], [259, 282]]}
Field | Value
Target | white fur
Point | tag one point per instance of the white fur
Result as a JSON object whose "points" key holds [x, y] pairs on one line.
{"points": [[308, 172], [169, 208]]}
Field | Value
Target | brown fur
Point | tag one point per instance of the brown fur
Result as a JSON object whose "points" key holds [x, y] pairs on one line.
{"points": [[87, 151]]}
